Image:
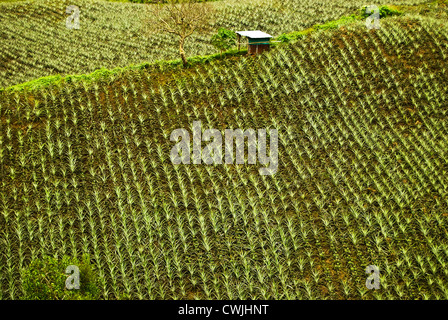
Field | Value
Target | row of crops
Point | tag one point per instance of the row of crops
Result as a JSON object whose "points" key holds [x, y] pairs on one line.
{"points": [[35, 41], [363, 156]]}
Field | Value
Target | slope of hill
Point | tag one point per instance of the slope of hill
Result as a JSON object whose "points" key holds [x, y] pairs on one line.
{"points": [[35, 41], [362, 177]]}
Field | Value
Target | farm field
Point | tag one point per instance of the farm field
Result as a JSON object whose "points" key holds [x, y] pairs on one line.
{"points": [[35, 42], [362, 156]]}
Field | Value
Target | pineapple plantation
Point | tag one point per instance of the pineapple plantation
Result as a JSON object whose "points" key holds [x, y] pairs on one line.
{"points": [[363, 160], [35, 42]]}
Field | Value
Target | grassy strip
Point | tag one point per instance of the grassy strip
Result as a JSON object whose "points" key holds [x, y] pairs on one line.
{"points": [[104, 73]]}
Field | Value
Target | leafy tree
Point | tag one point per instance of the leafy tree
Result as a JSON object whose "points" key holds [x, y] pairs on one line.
{"points": [[224, 39]]}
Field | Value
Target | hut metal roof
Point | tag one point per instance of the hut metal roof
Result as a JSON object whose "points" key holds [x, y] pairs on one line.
{"points": [[254, 34]]}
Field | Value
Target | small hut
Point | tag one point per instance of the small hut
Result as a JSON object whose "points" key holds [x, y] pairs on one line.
{"points": [[258, 41]]}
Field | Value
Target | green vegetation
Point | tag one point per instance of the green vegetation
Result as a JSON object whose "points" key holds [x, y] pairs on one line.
{"points": [[105, 74], [362, 179], [224, 40], [44, 279], [85, 164], [385, 11], [160, 1], [337, 23], [116, 34]]}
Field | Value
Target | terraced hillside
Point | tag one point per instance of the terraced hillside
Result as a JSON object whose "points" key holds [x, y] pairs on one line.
{"points": [[35, 41], [362, 177]]}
